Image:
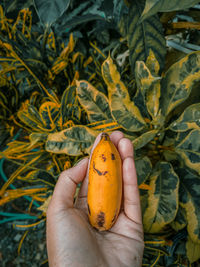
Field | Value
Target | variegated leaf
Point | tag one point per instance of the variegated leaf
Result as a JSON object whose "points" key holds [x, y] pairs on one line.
{"points": [[70, 109], [143, 167], [190, 201], [93, 101], [104, 126], [125, 112], [162, 199], [190, 119], [149, 85], [178, 81], [144, 139], [192, 250], [50, 114], [50, 10], [180, 220], [154, 6], [37, 137], [73, 141], [31, 117], [143, 37], [152, 63], [189, 150]]}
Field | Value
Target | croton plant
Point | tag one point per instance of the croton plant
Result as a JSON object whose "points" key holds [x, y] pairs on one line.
{"points": [[156, 109]]}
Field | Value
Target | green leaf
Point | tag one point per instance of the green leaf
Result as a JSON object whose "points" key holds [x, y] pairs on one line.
{"points": [[180, 220], [178, 81], [143, 167], [189, 150], [154, 6], [74, 141], [124, 111], [190, 119], [144, 139], [192, 250], [149, 85], [69, 105], [50, 10], [94, 102], [162, 199], [190, 201], [145, 36]]}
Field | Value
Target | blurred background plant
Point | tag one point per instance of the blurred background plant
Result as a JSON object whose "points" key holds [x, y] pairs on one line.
{"points": [[71, 69]]}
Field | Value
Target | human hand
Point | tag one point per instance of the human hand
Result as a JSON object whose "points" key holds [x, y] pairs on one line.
{"points": [[73, 242]]}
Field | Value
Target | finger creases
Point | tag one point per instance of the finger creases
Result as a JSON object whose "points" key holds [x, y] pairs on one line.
{"points": [[131, 193], [65, 189]]}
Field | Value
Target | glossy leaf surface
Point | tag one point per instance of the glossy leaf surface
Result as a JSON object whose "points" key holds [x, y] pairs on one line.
{"points": [[143, 37], [189, 150], [149, 86], [144, 139], [190, 201], [50, 10], [190, 119], [154, 6], [162, 199], [73, 141], [94, 102], [123, 109], [143, 167], [179, 80]]}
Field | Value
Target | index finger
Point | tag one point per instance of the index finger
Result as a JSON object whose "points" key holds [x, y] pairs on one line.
{"points": [[131, 203]]}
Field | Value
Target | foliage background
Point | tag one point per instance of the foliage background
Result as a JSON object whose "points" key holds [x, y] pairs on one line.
{"points": [[89, 66]]}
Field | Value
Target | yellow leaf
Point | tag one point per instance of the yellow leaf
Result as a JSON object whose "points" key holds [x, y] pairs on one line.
{"points": [[45, 205]]}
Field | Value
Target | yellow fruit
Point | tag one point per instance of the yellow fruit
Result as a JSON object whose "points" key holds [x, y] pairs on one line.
{"points": [[105, 184]]}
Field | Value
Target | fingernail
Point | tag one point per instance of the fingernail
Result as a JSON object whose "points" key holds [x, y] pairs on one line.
{"points": [[80, 161]]}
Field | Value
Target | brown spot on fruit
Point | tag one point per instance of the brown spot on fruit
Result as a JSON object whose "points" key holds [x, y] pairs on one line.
{"points": [[98, 171], [101, 219], [112, 156], [103, 157]]}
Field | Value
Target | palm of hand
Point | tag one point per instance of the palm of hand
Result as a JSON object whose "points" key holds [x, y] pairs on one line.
{"points": [[74, 242]]}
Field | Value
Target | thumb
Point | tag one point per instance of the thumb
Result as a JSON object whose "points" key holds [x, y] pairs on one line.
{"points": [[63, 195]]}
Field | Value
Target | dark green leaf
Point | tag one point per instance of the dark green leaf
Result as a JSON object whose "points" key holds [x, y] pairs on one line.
{"points": [[162, 199], [189, 150], [190, 119], [143, 168], [180, 220], [94, 102], [145, 36], [50, 10], [154, 6], [178, 81], [190, 201], [144, 139]]}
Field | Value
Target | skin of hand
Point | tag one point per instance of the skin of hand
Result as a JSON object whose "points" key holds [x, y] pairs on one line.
{"points": [[72, 241]]}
